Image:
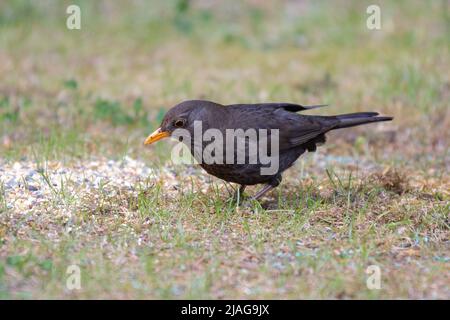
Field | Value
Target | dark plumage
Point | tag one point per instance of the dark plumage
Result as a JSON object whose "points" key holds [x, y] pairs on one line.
{"points": [[297, 133]]}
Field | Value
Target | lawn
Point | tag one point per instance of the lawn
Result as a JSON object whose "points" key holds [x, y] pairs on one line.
{"points": [[79, 190]]}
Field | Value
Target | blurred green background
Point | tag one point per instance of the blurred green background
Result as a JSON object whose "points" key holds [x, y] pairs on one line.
{"points": [[101, 89]]}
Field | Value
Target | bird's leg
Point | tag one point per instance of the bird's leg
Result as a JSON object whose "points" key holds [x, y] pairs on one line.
{"points": [[238, 194], [261, 192], [242, 189], [271, 185], [228, 186]]}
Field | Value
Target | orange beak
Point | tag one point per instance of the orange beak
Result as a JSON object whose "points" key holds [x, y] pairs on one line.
{"points": [[155, 136]]}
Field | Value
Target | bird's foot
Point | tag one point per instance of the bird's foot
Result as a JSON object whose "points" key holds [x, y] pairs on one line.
{"points": [[247, 204], [244, 202]]}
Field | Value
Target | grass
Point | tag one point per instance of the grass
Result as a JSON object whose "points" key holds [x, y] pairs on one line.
{"points": [[375, 195]]}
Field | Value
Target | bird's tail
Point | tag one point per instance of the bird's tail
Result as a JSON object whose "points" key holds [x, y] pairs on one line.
{"points": [[358, 118]]}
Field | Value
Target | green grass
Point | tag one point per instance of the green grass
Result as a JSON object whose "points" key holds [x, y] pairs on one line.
{"points": [[3, 202], [380, 197]]}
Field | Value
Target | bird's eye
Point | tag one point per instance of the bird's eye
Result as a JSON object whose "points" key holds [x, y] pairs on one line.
{"points": [[179, 123]]}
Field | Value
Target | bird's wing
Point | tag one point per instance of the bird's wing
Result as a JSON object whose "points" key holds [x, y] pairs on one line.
{"points": [[299, 130], [293, 129], [280, 105]]}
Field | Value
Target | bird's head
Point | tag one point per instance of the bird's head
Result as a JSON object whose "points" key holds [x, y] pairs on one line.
{"points": [[181, 116]]}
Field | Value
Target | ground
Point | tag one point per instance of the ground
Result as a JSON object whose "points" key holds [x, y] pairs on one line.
{"points": [[77, 186]]}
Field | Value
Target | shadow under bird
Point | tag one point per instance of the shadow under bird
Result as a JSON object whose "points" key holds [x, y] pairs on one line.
{"points": [[296, 134]]}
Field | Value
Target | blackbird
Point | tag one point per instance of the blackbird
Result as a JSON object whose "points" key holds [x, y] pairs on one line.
{"points": [[276, 125]]}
